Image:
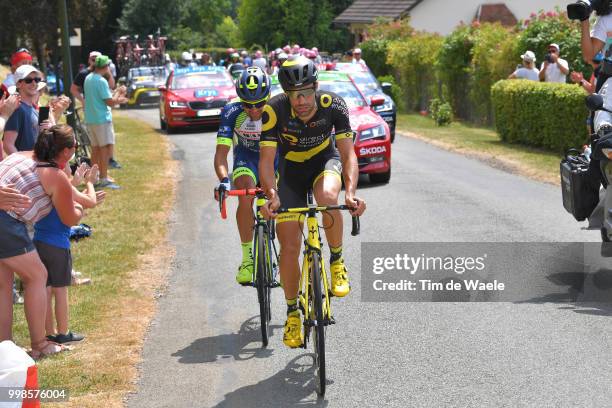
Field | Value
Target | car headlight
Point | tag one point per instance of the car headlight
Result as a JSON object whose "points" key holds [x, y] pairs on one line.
{"points": [[376, 132], [178, 104], [388, 106]]}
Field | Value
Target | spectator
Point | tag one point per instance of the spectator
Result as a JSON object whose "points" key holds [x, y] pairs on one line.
{"points": [[318, 59], [52, 241], [578, 77], [36, 175], [207, 61], [554, 68], [76, 89], [98, 117], [357, 57], [260, 61], [8, 105], [10, 197], [528, 70], [246, 59], [22, 128], [21, 57]]}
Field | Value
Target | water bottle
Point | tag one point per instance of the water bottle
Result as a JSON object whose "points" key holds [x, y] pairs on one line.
{"points": [[587, 152]]}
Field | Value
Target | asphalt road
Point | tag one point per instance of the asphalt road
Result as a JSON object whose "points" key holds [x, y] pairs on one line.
{"points": [[203, 347]]}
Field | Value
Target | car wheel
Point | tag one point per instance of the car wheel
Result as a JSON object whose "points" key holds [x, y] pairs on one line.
{"points": [[170, 130], [382, 178], [604, 235], [393, 136]]}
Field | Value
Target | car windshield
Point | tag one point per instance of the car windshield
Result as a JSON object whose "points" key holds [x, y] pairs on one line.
{"points": [[346, 90], [210, 79], [147, 71], [366, 83]]}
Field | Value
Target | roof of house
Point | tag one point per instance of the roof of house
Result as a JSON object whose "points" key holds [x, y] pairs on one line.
{"points": [[366, 11], [492, 13]]}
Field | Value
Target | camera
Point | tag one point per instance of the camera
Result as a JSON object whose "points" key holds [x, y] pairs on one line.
{"points": [[582, 9], [548, 58]]}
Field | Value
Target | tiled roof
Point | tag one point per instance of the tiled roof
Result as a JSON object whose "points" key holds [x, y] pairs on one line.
{"points": [[492, 13], [366, 11]]}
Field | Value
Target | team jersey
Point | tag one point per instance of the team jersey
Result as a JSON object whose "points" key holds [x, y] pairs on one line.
{"points": [[298, 141], [238, 129]]}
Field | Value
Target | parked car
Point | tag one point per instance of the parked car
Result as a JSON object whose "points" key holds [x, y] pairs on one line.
{"points": [[370, 86], [143, 83], [194, 96], [372, 135]]}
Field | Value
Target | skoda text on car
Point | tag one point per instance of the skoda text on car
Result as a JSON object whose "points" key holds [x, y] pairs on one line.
{"points": [[194, 96], [369, 86], [372, 139], [143, 83]]}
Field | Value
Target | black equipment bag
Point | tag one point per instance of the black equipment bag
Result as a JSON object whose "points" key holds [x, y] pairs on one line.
{"points": [[579, 185]]}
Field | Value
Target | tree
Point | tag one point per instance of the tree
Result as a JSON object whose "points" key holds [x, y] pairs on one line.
{"points": [[144, 17]]}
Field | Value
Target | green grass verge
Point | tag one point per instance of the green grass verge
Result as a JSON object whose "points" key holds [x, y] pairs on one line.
{"points": [[485, 143], [129, 223]]}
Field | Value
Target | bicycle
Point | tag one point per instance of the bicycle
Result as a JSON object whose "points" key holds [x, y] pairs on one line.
{"points": [[314, 293], [83, 152], [265, 256]]}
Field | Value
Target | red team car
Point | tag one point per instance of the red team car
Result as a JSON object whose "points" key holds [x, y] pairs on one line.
{"points": [[194, 96]]}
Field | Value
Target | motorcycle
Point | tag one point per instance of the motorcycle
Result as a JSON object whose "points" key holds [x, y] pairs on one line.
{"points": [[601, 104]]}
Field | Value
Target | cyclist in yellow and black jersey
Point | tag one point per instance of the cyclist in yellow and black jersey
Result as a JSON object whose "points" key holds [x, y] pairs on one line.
{"points": [[301, 124]]}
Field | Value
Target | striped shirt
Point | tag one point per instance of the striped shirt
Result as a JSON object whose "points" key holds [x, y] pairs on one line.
{"points": [[21, 171]]}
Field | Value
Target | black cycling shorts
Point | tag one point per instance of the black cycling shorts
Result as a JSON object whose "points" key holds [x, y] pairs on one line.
{"points": [[297, 178]]}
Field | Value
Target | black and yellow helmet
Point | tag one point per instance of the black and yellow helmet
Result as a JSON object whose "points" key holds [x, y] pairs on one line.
{"points": [[296, 72]]}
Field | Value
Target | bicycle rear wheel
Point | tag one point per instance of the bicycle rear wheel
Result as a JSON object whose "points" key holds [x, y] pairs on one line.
{"points": [[318, 338], [262, 282], [84, 149]]}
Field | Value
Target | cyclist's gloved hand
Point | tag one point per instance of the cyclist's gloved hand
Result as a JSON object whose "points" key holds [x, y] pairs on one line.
{"points": [[223, 185]]}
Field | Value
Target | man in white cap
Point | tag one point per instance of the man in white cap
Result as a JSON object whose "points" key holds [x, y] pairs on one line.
{"points": [[528, 70], [21, 129], [554, 68], [79, 80], [357, 57]]}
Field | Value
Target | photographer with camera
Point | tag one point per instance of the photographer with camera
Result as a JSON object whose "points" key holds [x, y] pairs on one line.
{"points": [[554, 68], [593, 41]]}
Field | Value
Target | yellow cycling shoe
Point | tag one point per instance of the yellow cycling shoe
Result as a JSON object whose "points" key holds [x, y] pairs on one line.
{"points": [[245, 272], [293, 331], [340, 285]]}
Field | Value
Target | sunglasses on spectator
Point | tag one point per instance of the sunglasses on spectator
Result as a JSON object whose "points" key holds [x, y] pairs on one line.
{"points": [[257, 105], [75, 144], [302, 92], [30, 80]]}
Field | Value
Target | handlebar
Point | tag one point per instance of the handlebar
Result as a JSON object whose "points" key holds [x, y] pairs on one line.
{"points": [[223, 194], [356, 225]]}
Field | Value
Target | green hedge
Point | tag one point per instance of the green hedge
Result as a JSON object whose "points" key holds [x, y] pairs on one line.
{"points": [[548, 115]]}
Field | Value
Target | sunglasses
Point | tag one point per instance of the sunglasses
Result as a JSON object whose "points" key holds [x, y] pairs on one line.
{"points": [[302, 92], [30, 80], [257, 105]]}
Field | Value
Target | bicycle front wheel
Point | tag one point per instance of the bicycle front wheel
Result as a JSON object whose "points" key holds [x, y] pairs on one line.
{"points": [[318, 338], [262, 283]]}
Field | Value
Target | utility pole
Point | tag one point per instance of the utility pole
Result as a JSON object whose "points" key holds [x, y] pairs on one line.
{"points": [[67, 65]]}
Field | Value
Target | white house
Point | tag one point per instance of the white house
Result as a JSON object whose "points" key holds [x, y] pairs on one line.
{"points": [[441, 16]]}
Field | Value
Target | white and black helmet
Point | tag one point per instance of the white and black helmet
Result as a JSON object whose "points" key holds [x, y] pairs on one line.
{"points": [[296, 72]]}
